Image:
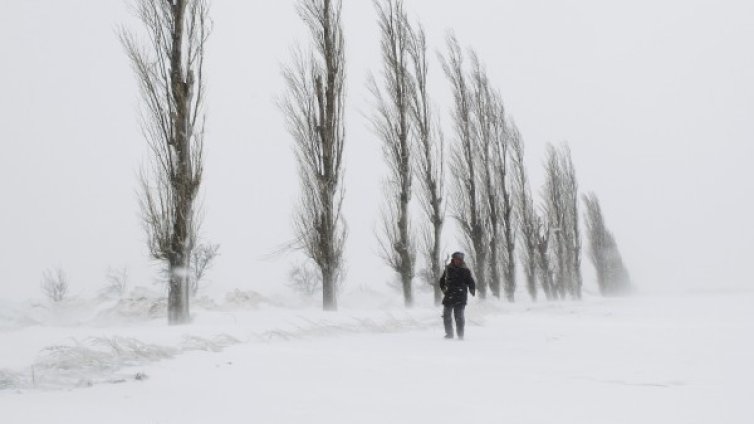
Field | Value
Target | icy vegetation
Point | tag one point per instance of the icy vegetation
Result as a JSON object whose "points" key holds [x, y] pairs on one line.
{"points": [[674, 358], [81, 356]]}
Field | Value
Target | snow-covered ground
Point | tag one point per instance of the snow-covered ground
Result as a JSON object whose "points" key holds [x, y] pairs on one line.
{"points": [[647, 359]]}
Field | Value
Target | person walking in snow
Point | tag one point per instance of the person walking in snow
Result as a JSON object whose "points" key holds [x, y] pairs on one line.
{"points": [[456, 282]]}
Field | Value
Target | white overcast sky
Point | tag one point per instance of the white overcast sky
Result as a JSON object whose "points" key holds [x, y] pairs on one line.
{"points": [[655, 98]]}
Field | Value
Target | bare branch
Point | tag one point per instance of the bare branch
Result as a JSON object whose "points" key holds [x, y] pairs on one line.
{"points": [[202, 259], [54, 285], [314, 111], [429, 163], [392, 123], [169, 70], [467, 197], [561, 207], [612, 275]]}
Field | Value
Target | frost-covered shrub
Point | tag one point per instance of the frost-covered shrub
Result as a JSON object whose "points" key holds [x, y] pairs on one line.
{"points": [[116, 282], [305, 279], [214, 344], [83, 363], [202, 259], [54, 285], [140, 303], [8, 380], [248, 299]]}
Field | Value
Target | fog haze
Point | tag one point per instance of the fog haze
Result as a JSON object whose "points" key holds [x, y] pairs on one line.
{"points": [[655, 99]]}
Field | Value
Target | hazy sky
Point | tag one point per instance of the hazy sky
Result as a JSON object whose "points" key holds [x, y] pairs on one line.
{"points": [[655, 98]]}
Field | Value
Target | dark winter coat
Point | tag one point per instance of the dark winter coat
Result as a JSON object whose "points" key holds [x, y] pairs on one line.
{"points": [[456, 282]]}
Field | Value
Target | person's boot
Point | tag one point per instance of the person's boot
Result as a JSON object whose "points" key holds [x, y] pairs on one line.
{"points": [[448, 323]]}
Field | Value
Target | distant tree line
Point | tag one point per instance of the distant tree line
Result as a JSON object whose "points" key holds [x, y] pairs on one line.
{"points": [[501, 221], [487, 190]]}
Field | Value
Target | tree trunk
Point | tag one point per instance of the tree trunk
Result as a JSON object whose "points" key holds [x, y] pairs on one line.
{"points": [[510, 242], [481, 281], [329, 295], [436, 266], [560, 282], [531, 281], [549, 287], [178, 299], [329, 277], [178, 296], [407, 262], [510, 269], [494, 268], [408, 294]]}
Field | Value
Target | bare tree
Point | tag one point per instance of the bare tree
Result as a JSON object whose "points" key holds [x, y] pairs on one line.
{"points": [[555, 211], [544, 263], [314, 110], [169, 70], [392, 122], [612, 276], [561, 205], [54, 285], [430, 164], [573, 231], [487, 123], [116, 282], [305, 279], [467, 195], [202, 259], [505, 196], [528, 224], [483, 201], [491, 133]]}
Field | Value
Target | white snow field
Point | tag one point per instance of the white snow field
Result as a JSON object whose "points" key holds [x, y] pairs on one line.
{"points": [[646, 359]]}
